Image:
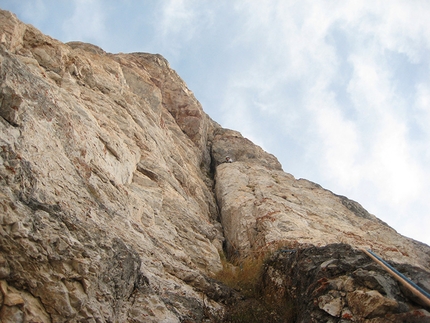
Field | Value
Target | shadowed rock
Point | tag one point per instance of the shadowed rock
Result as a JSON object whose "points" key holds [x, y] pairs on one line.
{"points": [[337, 282]]}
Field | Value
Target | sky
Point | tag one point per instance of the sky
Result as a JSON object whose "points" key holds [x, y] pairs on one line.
{"points": [[338, 91]]}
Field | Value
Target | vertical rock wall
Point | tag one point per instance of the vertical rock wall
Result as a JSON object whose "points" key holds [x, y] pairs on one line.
{"points": [[263, 208], [106, 213]]}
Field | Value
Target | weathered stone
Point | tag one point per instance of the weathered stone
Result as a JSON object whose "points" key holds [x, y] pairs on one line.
{"points": [[415, 316], [12, 299], [4, 268], [263, 208], [355, 289], [102, 190], [11, 314], [331, 305], [370, 303], [230, 143]]}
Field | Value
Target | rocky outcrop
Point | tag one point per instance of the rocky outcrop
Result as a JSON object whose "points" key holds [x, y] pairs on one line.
{"points": [[337, 283], [104, 201], [116, 204], [263, 207]]}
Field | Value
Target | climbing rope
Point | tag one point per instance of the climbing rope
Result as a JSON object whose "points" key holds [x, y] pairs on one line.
{"points": [[411, 286]]}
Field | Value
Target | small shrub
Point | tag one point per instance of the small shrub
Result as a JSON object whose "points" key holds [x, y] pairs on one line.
{"points": [[245, 275], [242, 274]]}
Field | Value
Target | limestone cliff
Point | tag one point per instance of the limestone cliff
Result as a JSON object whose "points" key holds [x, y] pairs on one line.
{"points": [[116, 204]]}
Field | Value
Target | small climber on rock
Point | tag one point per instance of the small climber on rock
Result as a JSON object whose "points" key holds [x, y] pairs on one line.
{"points": [[228, 159]]}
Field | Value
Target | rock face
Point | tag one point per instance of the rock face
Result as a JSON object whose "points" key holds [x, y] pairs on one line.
{"points": [[116, 203], [336, 283], [263, 206]]}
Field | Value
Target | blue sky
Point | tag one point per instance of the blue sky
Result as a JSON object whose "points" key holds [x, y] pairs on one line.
{"points": [[339, 91]]}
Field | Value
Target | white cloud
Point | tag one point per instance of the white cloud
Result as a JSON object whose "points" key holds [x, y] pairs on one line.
{"points": [[422, 104], [177, 17], [36, 11], [87, 23], [404, 27], [337, 141], [395, 172], [179, 22]]}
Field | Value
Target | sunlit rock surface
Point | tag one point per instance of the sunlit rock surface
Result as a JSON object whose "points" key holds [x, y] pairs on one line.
{"points": [[262, 206]]}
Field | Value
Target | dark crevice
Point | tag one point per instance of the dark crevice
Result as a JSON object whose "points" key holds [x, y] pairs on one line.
{"points": [[213, 165], [110, 148], [13, 124], [36, 205], [148, 173]]}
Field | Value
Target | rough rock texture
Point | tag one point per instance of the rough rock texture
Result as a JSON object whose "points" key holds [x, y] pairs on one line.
{"points": [[337, 283], [116, 203], [262, 206], [104, 204]]}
